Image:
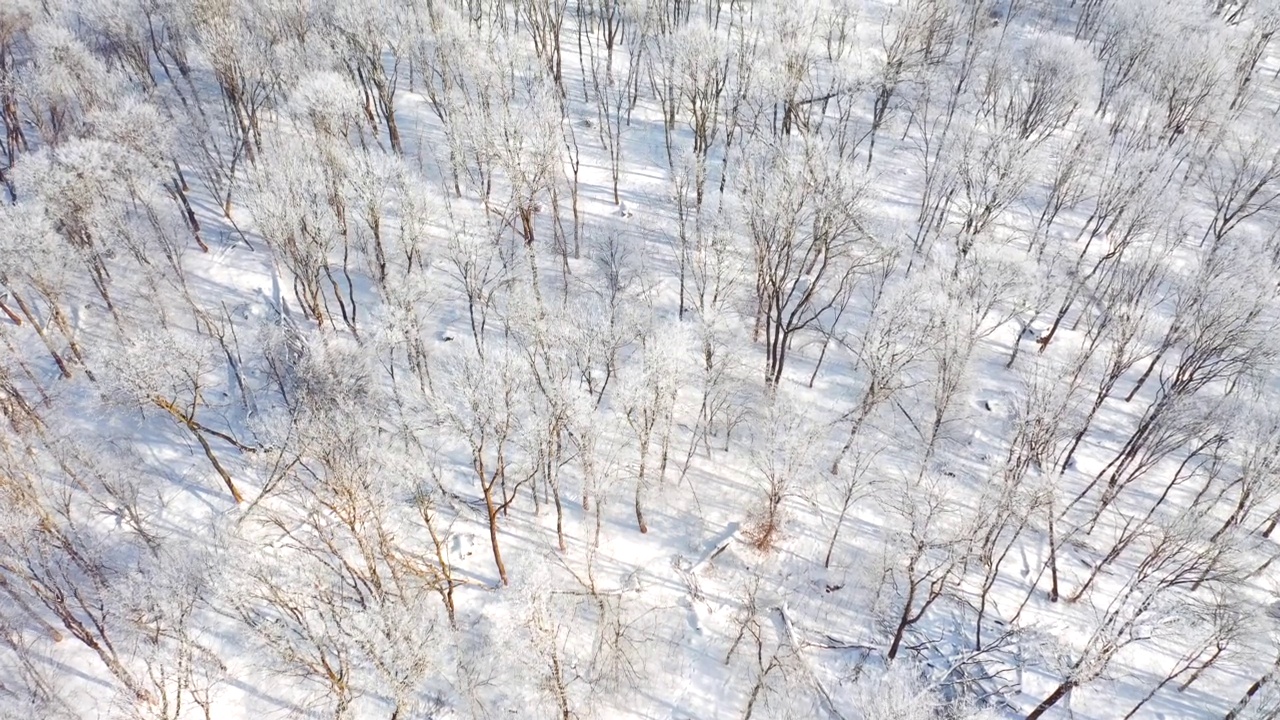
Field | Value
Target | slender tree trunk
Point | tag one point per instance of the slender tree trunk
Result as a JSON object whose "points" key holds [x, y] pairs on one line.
{"points": [[10, 314], [1052, 700], [1253, 690], [44, 337], [904, 621], [644, 527], [492, 513], [1053, 561]]}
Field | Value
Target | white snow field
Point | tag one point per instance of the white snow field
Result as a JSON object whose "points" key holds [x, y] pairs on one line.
{"points": [[673, 359]]}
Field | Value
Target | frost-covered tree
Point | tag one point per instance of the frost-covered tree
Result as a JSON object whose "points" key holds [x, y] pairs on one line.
{"points": [[804, 218], [485, 407]]}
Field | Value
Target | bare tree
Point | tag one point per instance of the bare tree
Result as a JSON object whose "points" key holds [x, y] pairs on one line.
{"points": [[1168, 560], [925, 551], [179, 388], [803, 214], [367, 42], [916, 35], [893, 340], [782, 455], [647, 397], [1242, 176], [485, 408]]}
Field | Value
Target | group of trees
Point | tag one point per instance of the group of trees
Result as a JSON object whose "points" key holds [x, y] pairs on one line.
{"points": [[360, 359]]}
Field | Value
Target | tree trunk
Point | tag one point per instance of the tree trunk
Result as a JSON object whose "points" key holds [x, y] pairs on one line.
{"points": [[492, 514], [644, 527], [1052, 700], [904, 621], [1253, 690]]}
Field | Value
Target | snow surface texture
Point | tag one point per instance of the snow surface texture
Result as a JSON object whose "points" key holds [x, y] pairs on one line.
{"points": [[848, 359]]}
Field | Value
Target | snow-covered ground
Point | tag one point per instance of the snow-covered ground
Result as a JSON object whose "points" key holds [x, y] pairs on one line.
{"points": [[877, 359]]}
